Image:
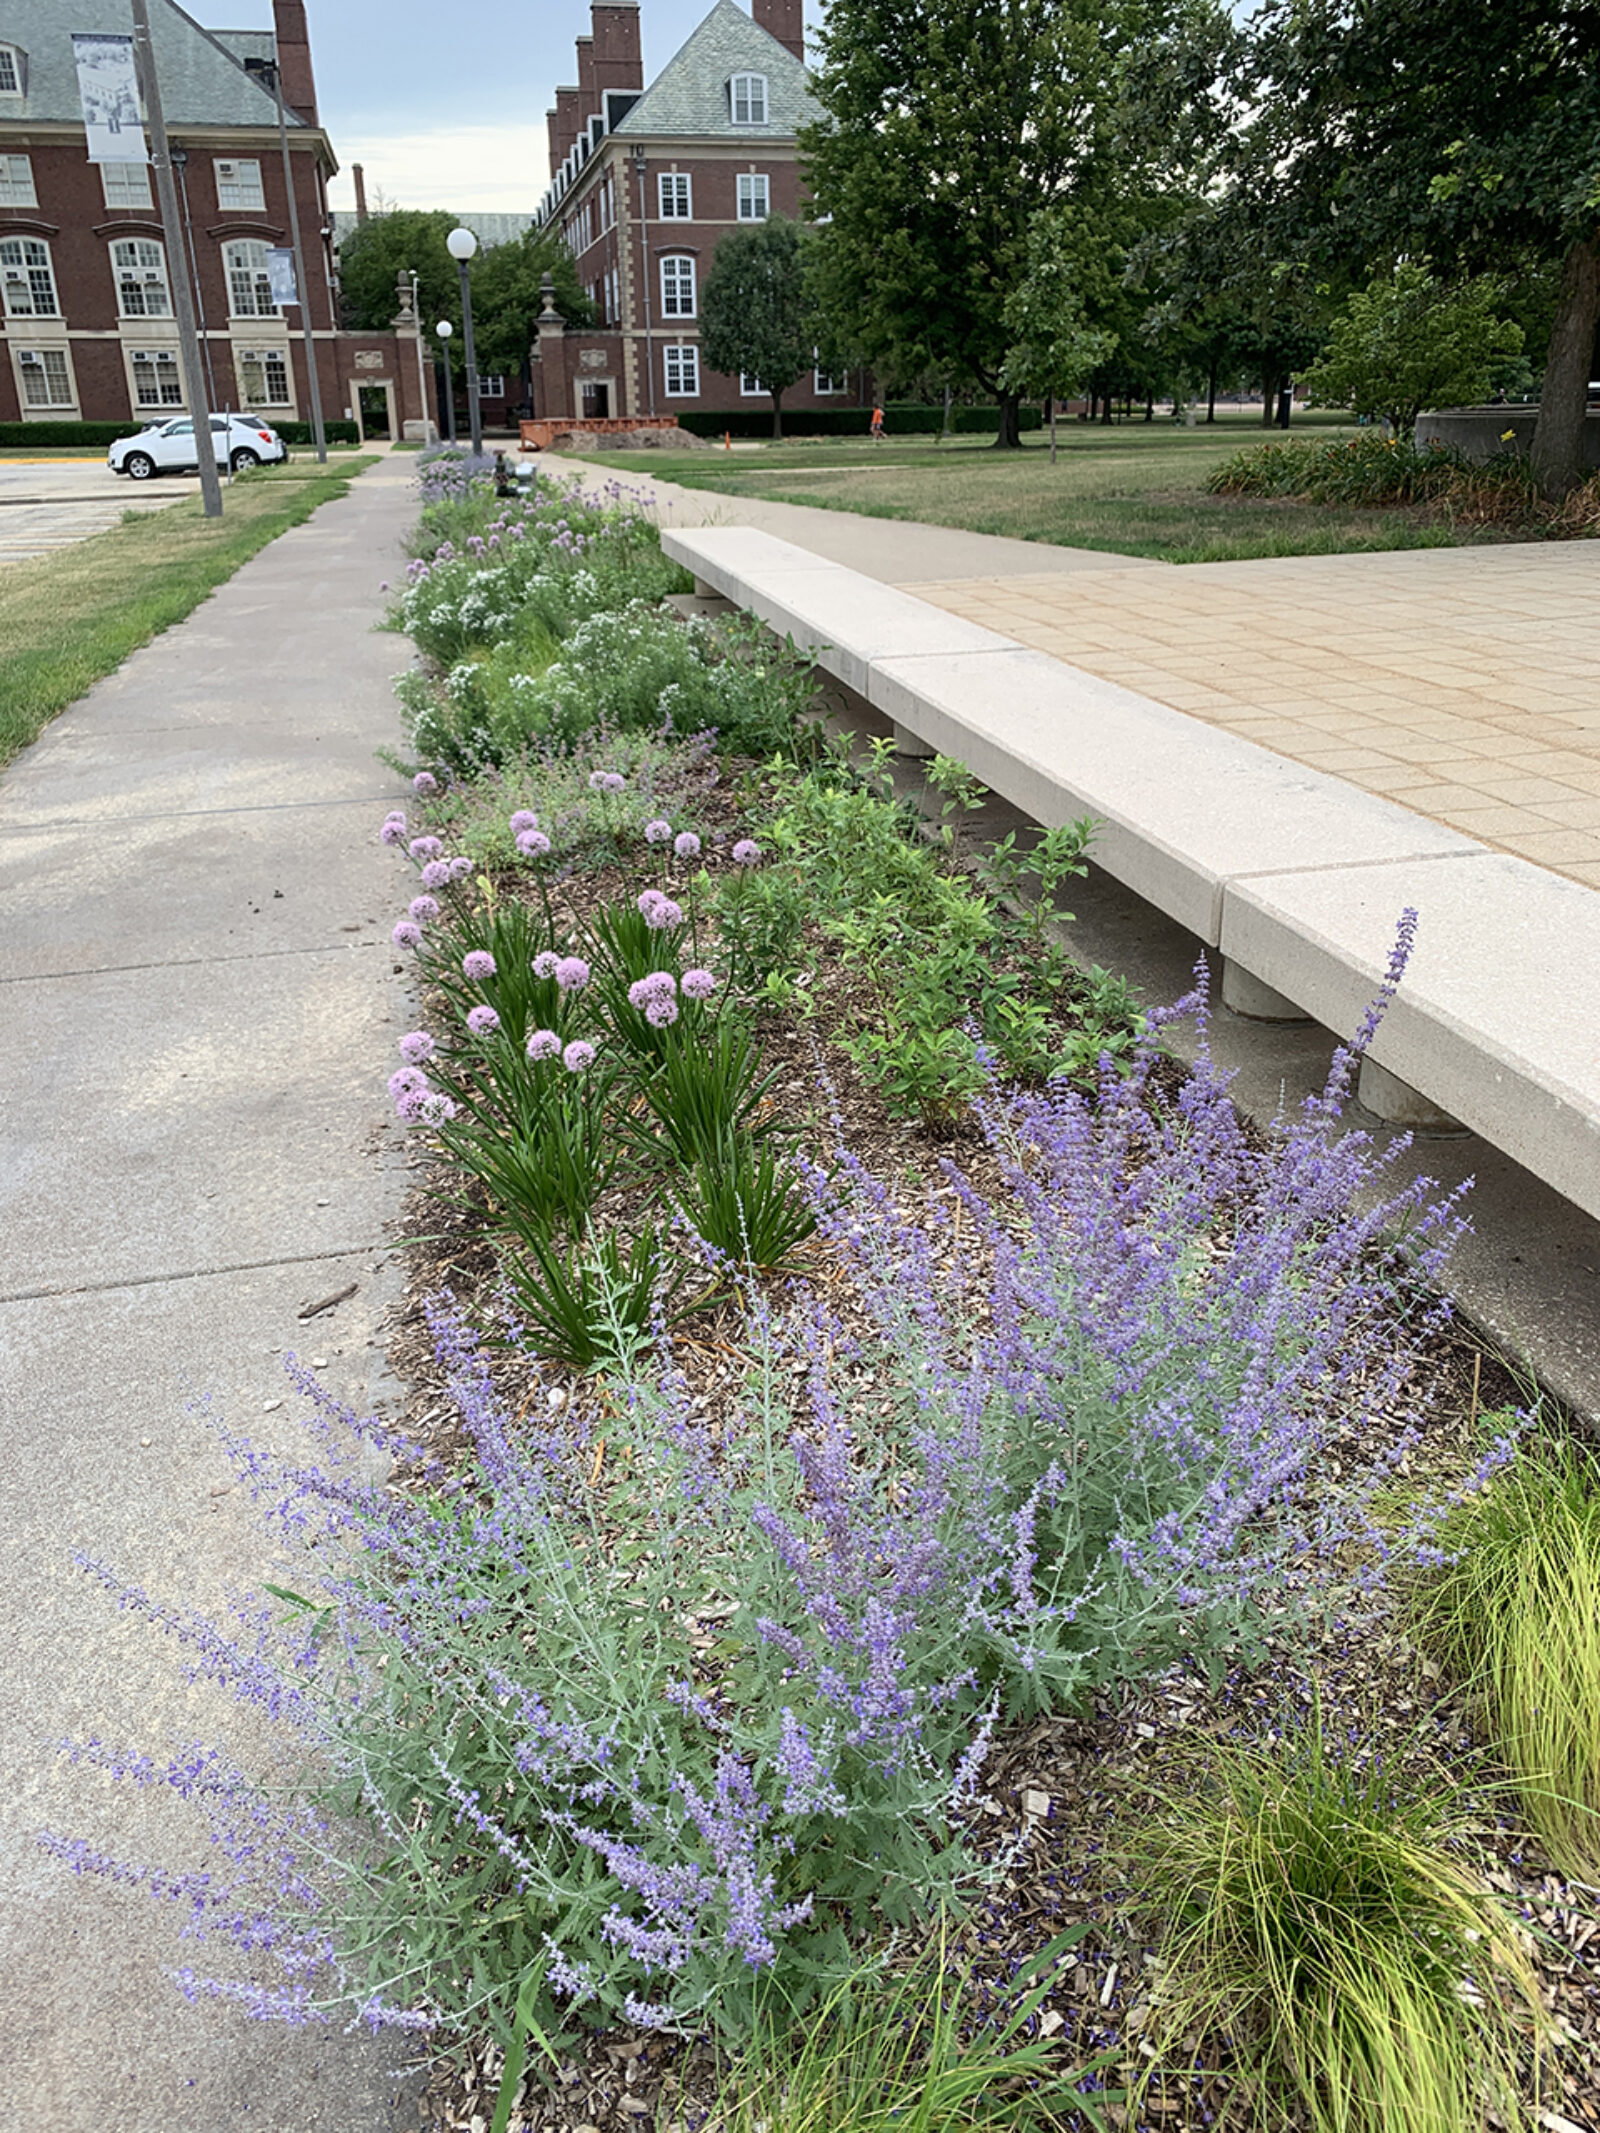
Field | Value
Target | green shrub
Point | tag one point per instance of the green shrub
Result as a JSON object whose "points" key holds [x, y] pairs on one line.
{"points": [[1371, 468], [1331, 1932], [55, 435], [1514, 1610], [900, 419]]}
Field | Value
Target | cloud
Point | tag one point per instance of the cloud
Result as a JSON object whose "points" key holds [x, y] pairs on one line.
{"points": [[487, 169]]}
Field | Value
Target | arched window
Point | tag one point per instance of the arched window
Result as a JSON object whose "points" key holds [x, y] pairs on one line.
{"points": [[677, 286], [26, 274], [140, 267], [249, 286], [747, 99]]}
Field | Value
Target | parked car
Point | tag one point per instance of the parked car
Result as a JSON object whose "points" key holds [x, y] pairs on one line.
{"points": [[239, 441]]}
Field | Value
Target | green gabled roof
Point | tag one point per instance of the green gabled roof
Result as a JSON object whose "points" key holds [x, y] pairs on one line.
{"points": [[690, 94], [203, 81]]}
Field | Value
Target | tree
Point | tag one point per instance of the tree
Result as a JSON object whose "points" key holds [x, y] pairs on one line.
{"points": [[950, 124], [755, 312], [506, 300], [1467, 131], [1053, 349], [1407, 342]]}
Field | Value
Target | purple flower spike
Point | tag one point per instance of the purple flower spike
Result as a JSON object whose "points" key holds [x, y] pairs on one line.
{"points": [[572, 973], [425, 848], [477, 964], [578, 1056], [543, 1044], [686, 844], [483, 1021], [533, 844], [422, 908], [460, 869], [657, 832], [436, 875], [545, 964], [406, 935], [424, 782], [416, 1046], [746, 853], [523, 819], [698, 984]]}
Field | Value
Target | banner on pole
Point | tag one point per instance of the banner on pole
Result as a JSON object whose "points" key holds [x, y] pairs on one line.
{"points": [[108, 89], [280, 273]]}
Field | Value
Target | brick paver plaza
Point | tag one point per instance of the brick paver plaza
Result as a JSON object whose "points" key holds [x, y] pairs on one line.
{"points": [[1462, 682]]}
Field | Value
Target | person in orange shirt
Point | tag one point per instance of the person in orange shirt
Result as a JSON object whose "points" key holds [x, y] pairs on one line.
{"points": [[877, 425]]}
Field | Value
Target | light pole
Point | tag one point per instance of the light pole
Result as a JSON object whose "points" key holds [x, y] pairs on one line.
{"points": [[422, 374], [462, 244], [271, 74], [444, 329]]}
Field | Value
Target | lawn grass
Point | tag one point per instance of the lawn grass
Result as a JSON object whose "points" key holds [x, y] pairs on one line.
{"points": [[68, 619], [1133, 490]]}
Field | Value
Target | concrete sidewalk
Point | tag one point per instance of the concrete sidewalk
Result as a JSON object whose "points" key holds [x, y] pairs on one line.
{"points": [[202, 1004]]}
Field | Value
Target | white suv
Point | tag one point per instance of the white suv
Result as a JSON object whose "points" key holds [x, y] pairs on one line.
{"points": [[239, 441]]}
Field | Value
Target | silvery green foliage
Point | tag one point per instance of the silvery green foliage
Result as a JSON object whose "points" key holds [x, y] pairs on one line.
{"points": [[655, 1703]]}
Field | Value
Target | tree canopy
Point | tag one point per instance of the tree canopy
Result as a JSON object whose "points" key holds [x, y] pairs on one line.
{"points": [[755, 309], [1409, 341]]}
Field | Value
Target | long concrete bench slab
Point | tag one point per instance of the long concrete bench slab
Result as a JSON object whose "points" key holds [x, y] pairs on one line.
{"points": [[1295, 876]]}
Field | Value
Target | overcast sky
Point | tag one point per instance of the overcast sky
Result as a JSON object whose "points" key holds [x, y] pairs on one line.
{"points": [[444, 102]]}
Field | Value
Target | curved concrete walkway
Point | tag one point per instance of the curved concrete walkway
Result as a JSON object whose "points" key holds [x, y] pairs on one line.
{"points": [[201, 1003]]}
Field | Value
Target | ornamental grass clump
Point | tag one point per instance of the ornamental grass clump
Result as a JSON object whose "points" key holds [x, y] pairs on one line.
{"points": [[658, 1704], [1328, 1937], [1513, 1609]]}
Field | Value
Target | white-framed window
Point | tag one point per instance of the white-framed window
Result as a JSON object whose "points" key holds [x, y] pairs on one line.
{"points": [[823, 383], [13, 70], [46, 378], [607, 200], [139, 267], [750, 386], [16, 180], [677, 286], [614, 295], [675, 196], [683, 369], [249, 284], [239, 182], [493, 386], [155, 377], [30, 283], [747, 99], [752, 196], [125, 184], [263, 375]]}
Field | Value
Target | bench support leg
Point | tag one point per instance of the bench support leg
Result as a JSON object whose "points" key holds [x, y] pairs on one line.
{"points": [[1398, 1104], [1246, 995], [907, 743]]}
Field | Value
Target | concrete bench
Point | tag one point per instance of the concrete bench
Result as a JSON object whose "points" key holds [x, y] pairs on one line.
{"points": [[1297, 878]]}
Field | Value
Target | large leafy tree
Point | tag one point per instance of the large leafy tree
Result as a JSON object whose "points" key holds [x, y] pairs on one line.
{"points": [[949, 125], [1407, 342], [1467, 131], [755, 309], [506, 299], [1054, 349]]}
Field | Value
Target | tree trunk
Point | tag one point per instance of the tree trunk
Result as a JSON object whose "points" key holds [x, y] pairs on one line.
{"points": [[1211, 392], [777, 414], [1269, 398], [1558, 435], [1149, 407], [1008, 437], [1052, 429]]}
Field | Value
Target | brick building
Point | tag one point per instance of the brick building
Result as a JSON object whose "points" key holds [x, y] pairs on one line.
{"points": [[84, 275], [646, 181]]}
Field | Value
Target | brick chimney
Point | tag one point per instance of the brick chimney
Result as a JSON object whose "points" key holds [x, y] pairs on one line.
{"points": [[563, 125], [785, 20], [618, 63], [294, 58], [584, 47], [360, 177]]}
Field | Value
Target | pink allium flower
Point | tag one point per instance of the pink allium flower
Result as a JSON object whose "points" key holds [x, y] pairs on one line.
{"points": [[425, 848], [657, 832], [686, 844], [434, 1108], [422, 908], [543, 1044], [477, 964], [436, 875], [546, 963], [483, 1021], [408, 1104], [572, 973], [523, 819], [746, 853], [606, 781], [416, 1046], [406, 1081], [533, 844], [578, 1056], [406, 935], [659, 985], [424, 782], [393, 831], [460, 869], [698, 984], [663, 914], [661, 1012]]}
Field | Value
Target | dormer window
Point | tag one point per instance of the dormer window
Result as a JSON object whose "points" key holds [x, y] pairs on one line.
{"points": [[13, 70], [747, 94]]}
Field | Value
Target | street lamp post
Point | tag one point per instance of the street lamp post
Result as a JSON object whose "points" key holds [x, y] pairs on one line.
{"points": [[462, 244], [444, 329], [422, 374]]}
